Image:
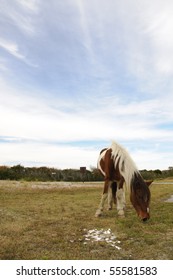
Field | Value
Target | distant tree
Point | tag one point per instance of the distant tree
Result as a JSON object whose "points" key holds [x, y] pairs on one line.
{"points": [[96, 174], [158, 172], [17, 172], [4, 172]]}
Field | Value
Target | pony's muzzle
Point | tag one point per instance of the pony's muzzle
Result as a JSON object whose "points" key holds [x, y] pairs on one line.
{"points": [[145, 219]]}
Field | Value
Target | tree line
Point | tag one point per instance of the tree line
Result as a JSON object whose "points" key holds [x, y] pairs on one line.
{"points": [[19, 172]]}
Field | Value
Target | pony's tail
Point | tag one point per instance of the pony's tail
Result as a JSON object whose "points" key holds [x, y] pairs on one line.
{"points": [[114, 191]]}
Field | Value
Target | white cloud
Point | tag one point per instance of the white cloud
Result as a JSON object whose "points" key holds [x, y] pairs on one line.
{"points": [[12, 48], [29, 117], [146, 42], [38, 154], [67, 156], [152, 159]]}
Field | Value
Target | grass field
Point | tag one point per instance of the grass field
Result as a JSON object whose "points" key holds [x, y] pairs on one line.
{"points": [[48, 221]]}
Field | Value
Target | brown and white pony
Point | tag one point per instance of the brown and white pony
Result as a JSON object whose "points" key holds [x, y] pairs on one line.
{"points": [[120, 171]]}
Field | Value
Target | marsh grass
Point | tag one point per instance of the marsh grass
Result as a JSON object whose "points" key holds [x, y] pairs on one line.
{"points": [[51, 223]]}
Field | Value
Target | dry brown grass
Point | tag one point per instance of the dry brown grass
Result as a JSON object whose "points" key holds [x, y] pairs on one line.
{"points": [[43, 221]]}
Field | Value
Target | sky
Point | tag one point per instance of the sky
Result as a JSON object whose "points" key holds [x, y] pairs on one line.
{"points": [[77, 74]]}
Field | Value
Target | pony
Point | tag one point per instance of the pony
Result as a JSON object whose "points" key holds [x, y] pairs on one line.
{"points": [[120, 173]]}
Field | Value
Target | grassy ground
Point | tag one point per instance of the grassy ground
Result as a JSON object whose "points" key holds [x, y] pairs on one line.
{"points": [[51, 223]]}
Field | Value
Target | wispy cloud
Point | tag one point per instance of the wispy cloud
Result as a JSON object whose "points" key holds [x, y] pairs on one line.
{"points": [[30, 6], [21, 14], [12, 48]]}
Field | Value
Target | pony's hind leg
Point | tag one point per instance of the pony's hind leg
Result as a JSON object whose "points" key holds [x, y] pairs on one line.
{"points": [[112, 195], [110, 198], [103, 198], [121, 202]]}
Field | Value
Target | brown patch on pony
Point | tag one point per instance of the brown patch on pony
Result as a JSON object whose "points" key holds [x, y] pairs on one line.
{"points": [[140, 196], [114, 191]]}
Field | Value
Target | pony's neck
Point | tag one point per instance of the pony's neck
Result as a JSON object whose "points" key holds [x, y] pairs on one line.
{"points": [[126, 165], [138, 180]]}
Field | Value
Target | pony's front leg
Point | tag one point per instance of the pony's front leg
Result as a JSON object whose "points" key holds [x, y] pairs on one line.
{"points": [[103, 198], [121, 202]]}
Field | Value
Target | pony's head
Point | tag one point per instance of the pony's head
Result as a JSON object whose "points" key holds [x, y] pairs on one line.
{"points": [[140, 197]]}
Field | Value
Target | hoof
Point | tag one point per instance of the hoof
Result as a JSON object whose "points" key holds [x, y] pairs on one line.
{"points": [[121, 213], [98, 213]]}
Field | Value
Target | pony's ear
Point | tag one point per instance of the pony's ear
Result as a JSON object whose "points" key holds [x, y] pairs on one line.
{"points": [[148, 183]]}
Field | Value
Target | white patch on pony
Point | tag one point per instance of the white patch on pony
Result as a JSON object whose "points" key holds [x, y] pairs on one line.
{"points": [[110, 198], [125, 163], [121, 201], [101, 205], [99, 159], [148, 210]]}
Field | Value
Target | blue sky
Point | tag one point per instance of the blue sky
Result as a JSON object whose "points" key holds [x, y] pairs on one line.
{"points": [[77, 74]]}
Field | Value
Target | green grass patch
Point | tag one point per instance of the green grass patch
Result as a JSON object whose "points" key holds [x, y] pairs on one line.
{"points": [[51, 223]]}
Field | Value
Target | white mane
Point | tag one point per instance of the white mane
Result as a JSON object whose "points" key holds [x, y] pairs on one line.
{"points": [[126, 165]]}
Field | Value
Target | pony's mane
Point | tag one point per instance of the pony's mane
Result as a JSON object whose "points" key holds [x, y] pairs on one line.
{"points": [[126, 165]]}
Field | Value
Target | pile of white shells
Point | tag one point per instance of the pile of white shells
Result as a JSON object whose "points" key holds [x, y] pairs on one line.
{"points": [[102, 235]]}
